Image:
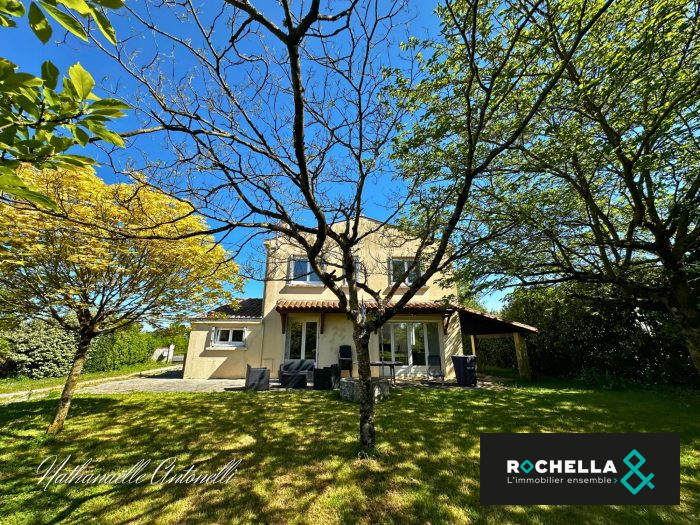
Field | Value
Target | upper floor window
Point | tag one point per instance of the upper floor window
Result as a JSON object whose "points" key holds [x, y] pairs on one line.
{"points": [[229, 337], [399, 266], [300, 271]]}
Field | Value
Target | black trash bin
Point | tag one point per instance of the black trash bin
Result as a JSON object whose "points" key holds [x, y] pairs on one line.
{"points": [[465, 369]]}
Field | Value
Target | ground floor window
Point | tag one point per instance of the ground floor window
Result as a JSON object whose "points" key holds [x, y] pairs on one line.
{"points": [[409, 343], [229, 337], [302, 339]]}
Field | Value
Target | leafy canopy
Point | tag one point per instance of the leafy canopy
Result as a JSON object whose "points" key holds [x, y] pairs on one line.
{"points": [[40, 122], [76, 268]]}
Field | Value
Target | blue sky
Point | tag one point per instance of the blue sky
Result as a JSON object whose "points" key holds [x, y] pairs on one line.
{"points": [[20, 46]]}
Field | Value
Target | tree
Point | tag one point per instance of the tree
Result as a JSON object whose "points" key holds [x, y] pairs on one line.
{"points": [[39, 123], [604, 187], [63, 267], [282, 123]]}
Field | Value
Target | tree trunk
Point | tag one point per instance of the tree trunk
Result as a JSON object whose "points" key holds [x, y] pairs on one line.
{"points": [[685, 310], [361, 339], [67, 395], [689, 322]]}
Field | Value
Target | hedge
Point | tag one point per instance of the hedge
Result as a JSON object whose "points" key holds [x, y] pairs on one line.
{"points": [[595, 335], [120, 349], [38, 349]]}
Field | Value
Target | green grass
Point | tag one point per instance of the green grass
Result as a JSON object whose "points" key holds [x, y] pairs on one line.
{"points": [[18, 384], [299, 455], [508, 373]]}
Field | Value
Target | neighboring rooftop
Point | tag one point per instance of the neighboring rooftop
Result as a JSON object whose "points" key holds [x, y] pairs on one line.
{"points": [[249, 308]]}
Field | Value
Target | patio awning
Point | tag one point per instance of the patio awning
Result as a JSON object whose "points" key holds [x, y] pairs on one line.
{"points": [[472, 321]]}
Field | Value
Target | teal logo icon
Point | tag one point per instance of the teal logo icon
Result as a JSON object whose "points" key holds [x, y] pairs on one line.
{"points": [[634, 469], [529, 467]]}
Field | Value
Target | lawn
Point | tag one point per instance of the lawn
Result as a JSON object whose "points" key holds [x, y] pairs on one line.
{"points": [[299, 460], [18, 384]]}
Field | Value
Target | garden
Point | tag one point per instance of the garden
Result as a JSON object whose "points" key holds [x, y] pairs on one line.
{"points": [[299, 454]]}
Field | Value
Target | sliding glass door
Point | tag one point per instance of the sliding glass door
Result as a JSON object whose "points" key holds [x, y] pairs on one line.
{"points": [[409, 344]]}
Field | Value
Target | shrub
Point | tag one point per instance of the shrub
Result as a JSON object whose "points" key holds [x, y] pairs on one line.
{"points": [[39, 349], [5, 357], [592, 333], [119, 349]]}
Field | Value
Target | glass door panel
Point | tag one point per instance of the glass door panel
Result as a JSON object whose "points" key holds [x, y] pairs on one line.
{"points": [[310, 327], [385, 344], [418, 344], [433, 339], [295, 334], [401, 342]]}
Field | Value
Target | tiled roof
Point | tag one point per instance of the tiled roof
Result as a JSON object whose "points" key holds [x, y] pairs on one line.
{"points": [[293, 305], [247, 309]]}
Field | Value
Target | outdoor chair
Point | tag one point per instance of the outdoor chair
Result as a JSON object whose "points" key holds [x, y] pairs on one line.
{"points": [[294, 373], [257, 378], [345, 358], [435, 368], [327, 378], [293, 379]]}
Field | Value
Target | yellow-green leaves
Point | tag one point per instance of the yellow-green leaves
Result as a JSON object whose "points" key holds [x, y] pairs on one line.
{"points": [[40, 124], [66, 20], [105, 27], [12, 7], [92, 249], [34, 118], [80, 6], [97, 128], [82, 80], [11, 183], [68, 13], [39, 24], [49, 74]]}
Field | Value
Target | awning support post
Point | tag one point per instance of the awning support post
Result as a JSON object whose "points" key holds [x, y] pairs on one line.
{"points": [[521, 355]]}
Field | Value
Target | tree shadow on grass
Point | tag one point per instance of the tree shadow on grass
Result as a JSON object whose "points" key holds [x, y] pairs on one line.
{"points": [[299, 461]]}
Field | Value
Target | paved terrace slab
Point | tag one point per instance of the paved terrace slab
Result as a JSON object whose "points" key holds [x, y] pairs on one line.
{"points": [[172, 382], [168, 382]]}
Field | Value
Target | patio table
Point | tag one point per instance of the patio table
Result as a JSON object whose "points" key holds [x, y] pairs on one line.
{"points": [[390, 364]]}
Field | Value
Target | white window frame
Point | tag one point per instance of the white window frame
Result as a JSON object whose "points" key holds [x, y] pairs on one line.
{"points": [[215, 340], [407, 262], [304, 333], [306, 279]]}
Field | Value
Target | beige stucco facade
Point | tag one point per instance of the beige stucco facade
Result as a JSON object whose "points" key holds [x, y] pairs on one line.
{"points": [[265, 340]]}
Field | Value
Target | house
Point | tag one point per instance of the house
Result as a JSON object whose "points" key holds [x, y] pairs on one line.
{"points": [[299, 318]]}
